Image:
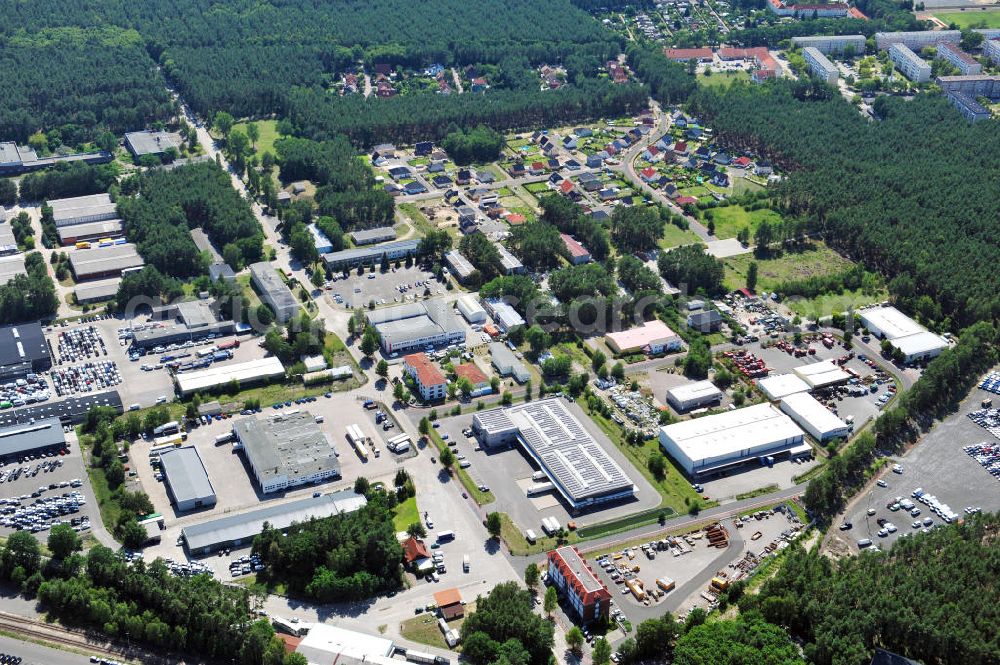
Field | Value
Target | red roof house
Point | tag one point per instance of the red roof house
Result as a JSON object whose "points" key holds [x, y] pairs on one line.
{"points": [[414, 550]]}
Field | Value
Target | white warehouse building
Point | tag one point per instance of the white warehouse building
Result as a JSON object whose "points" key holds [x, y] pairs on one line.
{"points": [[470, 308], [717, 442], [813, 417], [913, 340], [693, 395]]}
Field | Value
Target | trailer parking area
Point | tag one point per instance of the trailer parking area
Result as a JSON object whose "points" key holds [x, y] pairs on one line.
{"points": [[939, 466]]}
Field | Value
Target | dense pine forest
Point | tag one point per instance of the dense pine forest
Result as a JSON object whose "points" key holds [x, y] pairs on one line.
{"points": [[912, 195]]}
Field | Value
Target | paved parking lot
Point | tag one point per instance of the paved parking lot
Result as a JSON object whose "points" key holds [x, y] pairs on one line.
{"points": [[508, 475], [939, 466], [382, 288], [29, 482]]}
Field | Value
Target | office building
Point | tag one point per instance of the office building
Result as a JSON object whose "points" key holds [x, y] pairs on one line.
{"points": [[693, 396], [965, 63], [273, 291], [286, 450], [831, 44], [916, 40], [503, 314], [652, 338], [220, 376], [43, 436], [18, 159], [912, 65], [715, 443], [151, 143], [181, 322], [507, 364], [371, 255], [913, 340], [186, 479], [820, 65], [470, 308], [103, 262], [458, 265], [431, 383], [372, 236], [83, 209], [813, 417], [579, 467], [416, 326], [573, 576], [23, 351], [241, 529]]}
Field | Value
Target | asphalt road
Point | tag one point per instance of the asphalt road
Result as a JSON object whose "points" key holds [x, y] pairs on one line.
{"points": [[36, 654]]}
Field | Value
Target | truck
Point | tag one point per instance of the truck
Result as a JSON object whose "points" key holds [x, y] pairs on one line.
{"points": [[530, 536], [206, 352], [219, 356], [538, 476], [224, 438], [719, 583], [539, 488], [171, 427], [425, 658], [231, 344], [444, 536]]}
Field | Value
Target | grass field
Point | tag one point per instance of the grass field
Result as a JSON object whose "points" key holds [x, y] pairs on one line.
{"points": [[423, 628], [972, 18], [519, 545], [406, 513], [268, 134], [834, 302], [729, 220], [481, 498], [675, 237], [817, 260], [718, 80]]}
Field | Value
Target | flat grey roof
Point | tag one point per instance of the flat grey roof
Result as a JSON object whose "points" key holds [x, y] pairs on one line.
{"points": [[31, 436], [286, 445], [70, 411], [98, 260], [23, 343], [10, 267], [267, 280], [457, 262], [98, 290], [374, 251], [373, 235], [150, 142], [245, 526], [81, 206], [581, 571], [7, 240], [9, 154], [186, 474], [108, 227], [508, 260], [414, 321]]}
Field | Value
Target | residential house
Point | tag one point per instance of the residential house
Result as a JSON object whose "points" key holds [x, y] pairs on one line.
{"points": [[471, 372], [649, 174], [423, 148], [566, 186], [441, 181], [681, 148], [463, 177], [706, 321], [578, 254], [414, 187], [572, 165], [594, 161]]}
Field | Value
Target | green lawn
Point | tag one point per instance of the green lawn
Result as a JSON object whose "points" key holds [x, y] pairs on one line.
{"points": [[834, 302], [675, 237], [537, 187], [519, 545], [724, 79], [406, 513], [422, 225], [482, 498], [729, 220], [971, 18], [268, 134], [787, 266]]}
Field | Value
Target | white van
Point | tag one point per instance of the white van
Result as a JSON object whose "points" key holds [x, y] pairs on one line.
{"points": [[134, 407]]}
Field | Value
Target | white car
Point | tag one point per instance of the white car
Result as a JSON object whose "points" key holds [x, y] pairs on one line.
{"points": [[881, 483]]}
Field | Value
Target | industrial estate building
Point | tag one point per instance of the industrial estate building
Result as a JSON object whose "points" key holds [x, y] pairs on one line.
{"points": [[586, 593], [966, 64], [185, 321], [823, 374], [88, 231], [431, 383], [100, 262], [11, 267], [416, 326], [83, 209], [372, 236], [186, 478], [813, 417], [151, 143], [828, 44], [22, 439], [470, 308], [459, 266], [17, 159], [652, 337], [693, 396], [912, 65], [820, 65], [325, 644], [96, 291], [717, 442], [70, 411], [8, 243], [23, 351], [350, 258], [779, 386], [235, 530], [273, 291], [916, 40], [511, 264], [579, 467], [506, 363], [503, 314], [219, 376], [286, 450], [913, 340]]}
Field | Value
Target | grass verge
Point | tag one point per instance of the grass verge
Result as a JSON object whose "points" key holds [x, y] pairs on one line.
{"points": [[481, 498], [519, 545], [406, 513], [760, 491]]}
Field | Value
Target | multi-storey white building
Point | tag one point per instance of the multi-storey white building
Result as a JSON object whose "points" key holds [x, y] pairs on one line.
{"points": [[912, 65], [916, 40], [991, 49], [820, 65], [965, 63], [832, 43]]}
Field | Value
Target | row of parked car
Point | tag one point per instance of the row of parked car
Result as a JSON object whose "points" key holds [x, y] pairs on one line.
{"points": [[987, 455], [10, 475], [79, 344], [28, 390], [43, 513], [245, 565], [86, 378]]}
